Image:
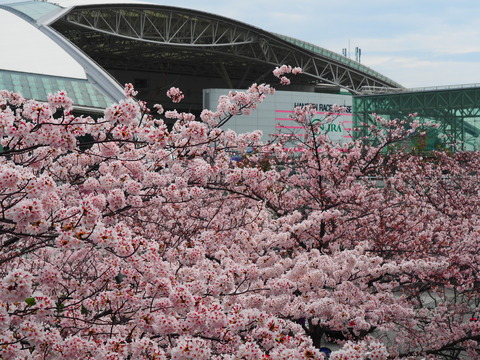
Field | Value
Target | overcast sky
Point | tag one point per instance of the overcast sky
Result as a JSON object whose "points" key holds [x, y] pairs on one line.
{"points": [[414, 42], [417, 43]]}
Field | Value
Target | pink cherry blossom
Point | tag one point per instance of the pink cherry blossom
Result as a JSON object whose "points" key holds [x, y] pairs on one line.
{"points": [[175, 94], [194, 242]]}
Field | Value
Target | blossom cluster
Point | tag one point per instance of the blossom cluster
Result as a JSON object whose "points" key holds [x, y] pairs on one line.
{"points": [[122, 238], [175, 94], [281, 71]]}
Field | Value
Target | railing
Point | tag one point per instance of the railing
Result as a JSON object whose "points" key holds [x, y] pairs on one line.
{"points": [[374, 90]]}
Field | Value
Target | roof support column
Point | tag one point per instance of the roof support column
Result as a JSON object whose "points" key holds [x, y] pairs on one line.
{"points": [[224, 74]]}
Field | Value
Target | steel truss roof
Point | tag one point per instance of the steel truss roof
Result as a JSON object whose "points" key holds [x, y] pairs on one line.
{"points": [[152, 37]]}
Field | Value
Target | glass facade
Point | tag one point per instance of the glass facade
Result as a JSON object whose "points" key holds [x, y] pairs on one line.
{"points": [[456, 110], [36, 86], [34, 9]]}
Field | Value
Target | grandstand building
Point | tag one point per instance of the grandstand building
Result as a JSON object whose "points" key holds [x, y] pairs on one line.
{"points": [[91, 50]]}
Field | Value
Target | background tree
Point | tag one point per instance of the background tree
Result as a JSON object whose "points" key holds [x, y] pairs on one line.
{"points": [[199, 243]]}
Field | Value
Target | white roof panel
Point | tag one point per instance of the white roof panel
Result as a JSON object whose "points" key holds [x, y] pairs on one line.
{"points": [[30, 50]]}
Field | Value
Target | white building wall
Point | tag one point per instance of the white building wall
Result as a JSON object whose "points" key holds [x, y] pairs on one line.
{"points": [[273, 116]]}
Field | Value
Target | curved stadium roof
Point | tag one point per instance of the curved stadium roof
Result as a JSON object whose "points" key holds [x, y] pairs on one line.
{"points": [[88, 48]]}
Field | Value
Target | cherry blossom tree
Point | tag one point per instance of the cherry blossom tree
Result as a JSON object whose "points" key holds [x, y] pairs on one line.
{"points": [[122, 238]]}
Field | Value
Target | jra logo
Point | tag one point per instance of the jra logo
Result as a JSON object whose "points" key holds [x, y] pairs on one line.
{"points": [[328, 127]]}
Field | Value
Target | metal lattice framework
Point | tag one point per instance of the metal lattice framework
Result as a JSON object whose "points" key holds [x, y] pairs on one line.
{"points": [[192, 42], [456, 110]]}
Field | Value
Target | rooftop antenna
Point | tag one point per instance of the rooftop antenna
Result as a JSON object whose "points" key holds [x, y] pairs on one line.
{"points": [[358, 54]]}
